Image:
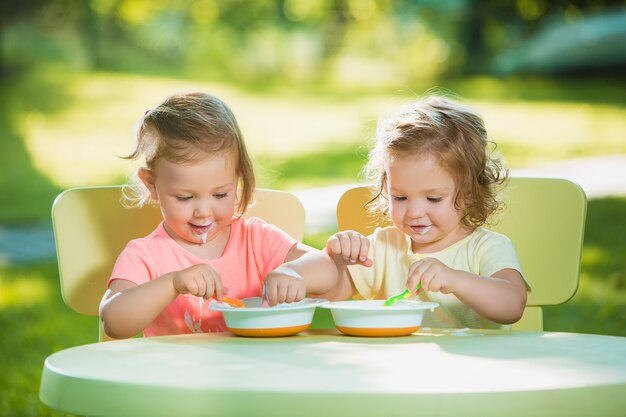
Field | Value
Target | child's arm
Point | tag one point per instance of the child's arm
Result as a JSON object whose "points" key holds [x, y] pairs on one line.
{"points": [[322, 274], [500, 298], [346, 248], [126, 308], [306, 270], [349, 248]]}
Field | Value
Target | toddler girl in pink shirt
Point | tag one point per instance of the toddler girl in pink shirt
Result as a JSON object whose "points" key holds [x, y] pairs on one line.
{"points": [[197, 168]]}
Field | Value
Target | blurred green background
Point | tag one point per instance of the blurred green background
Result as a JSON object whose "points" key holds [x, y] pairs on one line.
{"points": [[307, 80]]}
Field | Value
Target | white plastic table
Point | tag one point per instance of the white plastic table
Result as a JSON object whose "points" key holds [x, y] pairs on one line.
{"points": [[323, 373]]}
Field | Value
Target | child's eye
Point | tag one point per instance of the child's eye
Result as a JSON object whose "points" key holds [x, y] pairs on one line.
{"points": [[183, 197], [220, 195], [398, 198], [434, 199]]}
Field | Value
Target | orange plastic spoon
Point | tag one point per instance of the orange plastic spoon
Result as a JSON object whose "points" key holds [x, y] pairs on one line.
{"points": [[232, 301]]}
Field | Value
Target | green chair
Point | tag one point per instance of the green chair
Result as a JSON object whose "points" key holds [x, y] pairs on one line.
{"points": [[545, 219], [91, 227]]}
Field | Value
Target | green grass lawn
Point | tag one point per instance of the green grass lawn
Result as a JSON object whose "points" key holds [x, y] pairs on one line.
{"points": [[59, 131], [34, 323]]}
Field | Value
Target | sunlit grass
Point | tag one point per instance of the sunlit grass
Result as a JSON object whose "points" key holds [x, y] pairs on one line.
{"points": [[35, 323], [531, 133], [95, 123], [23, 291], [595, 256], [342, 164], [598, 307]]}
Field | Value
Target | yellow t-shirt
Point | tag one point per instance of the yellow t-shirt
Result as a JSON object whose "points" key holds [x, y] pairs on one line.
{"points": [[482, 253]]}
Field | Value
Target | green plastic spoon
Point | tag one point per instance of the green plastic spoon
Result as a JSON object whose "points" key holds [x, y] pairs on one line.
{"points": [[401, 296]]}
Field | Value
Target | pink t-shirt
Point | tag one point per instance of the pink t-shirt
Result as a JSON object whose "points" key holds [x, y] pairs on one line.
{"points": [[253, 250]]}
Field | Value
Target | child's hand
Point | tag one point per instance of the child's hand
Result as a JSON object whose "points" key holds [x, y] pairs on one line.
{"points": [[200, 280], [350, 245], [283, 285], [432, 274]]}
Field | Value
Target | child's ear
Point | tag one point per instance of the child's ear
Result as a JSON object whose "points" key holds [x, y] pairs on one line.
{"points": [[147, 177]]}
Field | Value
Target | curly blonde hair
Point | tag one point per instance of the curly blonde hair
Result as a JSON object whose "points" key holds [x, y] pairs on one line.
{"points": [[182, 126], [453, 134]]}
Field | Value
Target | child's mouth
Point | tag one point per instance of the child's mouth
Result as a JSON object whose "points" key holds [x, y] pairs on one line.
{"points": [[201, 230], [421, 229]]}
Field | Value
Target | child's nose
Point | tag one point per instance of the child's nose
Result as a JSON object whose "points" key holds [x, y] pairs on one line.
{"points": [[202, 209], [416, 209]]}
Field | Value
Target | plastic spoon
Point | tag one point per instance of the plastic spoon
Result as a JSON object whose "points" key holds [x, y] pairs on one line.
{"points": [[233, 302], [401, 296]]}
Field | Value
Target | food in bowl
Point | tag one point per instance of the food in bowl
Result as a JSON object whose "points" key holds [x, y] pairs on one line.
{"points": [[255, 320], [372, 319]]}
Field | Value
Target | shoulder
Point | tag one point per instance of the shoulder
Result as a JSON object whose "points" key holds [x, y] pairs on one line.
{"points": [[252, 225], [495, 252], [258, 229], [156, 237], [486, 242], [387, 233], [389, 237], [155, 246], [489, 237]]}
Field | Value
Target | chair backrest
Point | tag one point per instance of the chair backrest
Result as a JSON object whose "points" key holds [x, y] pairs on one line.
{"points": [[544, 218], [91, 227]]}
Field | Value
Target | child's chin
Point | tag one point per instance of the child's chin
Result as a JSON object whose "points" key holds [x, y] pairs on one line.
{"points": [[195, 240], [419, 235], [421, 239], [188, 239]]}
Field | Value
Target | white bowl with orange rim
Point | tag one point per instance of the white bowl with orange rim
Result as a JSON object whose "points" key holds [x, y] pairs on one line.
{"points": [[255, 320], [372, 319]]}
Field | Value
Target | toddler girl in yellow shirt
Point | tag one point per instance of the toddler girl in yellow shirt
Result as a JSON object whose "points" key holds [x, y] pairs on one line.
{"points": [[438, 183]]}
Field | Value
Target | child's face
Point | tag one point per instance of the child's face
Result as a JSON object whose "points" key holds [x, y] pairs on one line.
{"points": [[421, 203], [197, 198]]}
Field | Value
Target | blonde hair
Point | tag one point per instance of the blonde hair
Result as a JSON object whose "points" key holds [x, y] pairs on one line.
{"points": [[183, 126], [456, 137]]}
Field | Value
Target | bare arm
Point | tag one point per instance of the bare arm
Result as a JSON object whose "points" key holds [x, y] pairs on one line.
{"points": [[344, 287], [126, 308], [343, 249], [500, 297], [308, 271], [324, 275], [321, 274], [347, 248]]}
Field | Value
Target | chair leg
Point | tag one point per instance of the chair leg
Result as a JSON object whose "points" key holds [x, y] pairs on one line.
{"points": [[531, 320]]}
